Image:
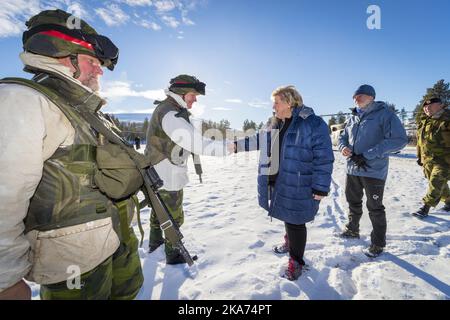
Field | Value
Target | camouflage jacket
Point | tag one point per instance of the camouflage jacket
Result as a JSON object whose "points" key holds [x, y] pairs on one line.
{"points": [[433, 139]]}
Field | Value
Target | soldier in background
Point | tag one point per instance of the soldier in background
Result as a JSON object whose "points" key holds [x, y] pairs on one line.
{"points": [[171, 139], [137, 142], [433, 153]]}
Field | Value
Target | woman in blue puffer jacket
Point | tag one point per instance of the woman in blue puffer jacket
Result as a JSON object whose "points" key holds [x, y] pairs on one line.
{"points": [[295, 169]]}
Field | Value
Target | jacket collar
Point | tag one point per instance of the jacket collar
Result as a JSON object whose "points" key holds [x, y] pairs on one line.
{"points": [[50, 73], [178, 99], [303, 112], [372, 107]]}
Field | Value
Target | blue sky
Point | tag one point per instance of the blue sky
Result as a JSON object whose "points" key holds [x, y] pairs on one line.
{"points": [[243, 49]]}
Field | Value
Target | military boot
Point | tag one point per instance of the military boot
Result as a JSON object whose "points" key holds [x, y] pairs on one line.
{"points": [[422, 212], [175, 258], [156, 239], [446, 207], [152, 246]]}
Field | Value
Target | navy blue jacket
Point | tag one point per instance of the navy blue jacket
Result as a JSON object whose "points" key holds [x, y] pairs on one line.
{"points": [[306, 164], [374, 133]]}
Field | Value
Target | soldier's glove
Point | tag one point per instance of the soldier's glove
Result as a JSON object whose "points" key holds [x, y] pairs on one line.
{"points": [[360, 161], [419, 162]]}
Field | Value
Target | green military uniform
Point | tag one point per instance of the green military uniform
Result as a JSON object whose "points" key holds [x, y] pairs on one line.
{"points": [[433, 150], [174, 203], [83, 183], [160, 147]]}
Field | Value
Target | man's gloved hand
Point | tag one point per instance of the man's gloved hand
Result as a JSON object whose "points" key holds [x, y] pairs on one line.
{"points": [[360, 161], [419, 162]]}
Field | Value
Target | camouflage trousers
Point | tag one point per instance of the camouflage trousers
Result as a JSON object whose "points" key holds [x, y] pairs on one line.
{"points": [[117, 278], [438, 177], [174, 203]]}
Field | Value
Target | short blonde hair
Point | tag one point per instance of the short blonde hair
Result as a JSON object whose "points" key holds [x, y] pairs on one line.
{"points": [[289, 95]]}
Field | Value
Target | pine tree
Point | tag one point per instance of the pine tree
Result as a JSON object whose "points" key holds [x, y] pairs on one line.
{"points": [[245, 125], [440, 89], [332, 121], [341, 117], [145, 126], [403, 115], [392, 106]]}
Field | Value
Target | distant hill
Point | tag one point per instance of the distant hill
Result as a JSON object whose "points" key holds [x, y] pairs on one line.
{"points": [[132, 117]]}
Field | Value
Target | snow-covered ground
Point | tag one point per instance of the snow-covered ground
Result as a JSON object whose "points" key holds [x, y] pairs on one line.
{"points": [[233, 238]]}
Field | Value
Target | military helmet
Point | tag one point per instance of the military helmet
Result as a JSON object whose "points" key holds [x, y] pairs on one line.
{"points": [[184, 83], [53, 33], [431, 100]]}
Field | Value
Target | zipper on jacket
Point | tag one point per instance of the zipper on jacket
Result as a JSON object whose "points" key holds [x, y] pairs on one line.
{"points": [[356, 135]]}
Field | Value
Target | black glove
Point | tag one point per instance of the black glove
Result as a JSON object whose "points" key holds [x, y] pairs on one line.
{"points": [[419, 162], [360, 161]]}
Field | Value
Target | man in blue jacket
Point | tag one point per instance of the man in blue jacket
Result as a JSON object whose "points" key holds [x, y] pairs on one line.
{"points": [[371, 133]]}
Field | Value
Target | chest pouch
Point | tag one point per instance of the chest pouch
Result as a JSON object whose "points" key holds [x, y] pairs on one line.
{"points": [[116, 174]]}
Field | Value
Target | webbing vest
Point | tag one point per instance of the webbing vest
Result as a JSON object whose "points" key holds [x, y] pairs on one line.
{"points": [[67, 195], [159, 144]]}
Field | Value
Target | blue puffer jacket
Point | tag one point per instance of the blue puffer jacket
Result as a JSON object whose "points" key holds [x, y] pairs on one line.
{"points": [[374, 133], [306, 164]]}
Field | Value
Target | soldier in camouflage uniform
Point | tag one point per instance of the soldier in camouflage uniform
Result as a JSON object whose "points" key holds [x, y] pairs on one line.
{"points": [[64, 223], [433, 153], [171, 139]]}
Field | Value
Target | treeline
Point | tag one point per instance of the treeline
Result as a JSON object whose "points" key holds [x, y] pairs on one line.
{"points": [[223, 125], [441, 89], [131, 130]]}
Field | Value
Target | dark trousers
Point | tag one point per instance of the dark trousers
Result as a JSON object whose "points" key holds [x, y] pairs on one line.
{"points": [[297, 241], [374, 188]]}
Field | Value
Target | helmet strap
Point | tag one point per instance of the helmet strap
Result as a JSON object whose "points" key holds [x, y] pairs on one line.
{"points": [[74, 61]]}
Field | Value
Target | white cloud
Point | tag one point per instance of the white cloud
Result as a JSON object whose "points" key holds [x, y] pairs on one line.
{"points": [[14, 13], [233, 100], [186, 20], [222, 109], [122, 89], [112, 15], [257, 103], [78, 10], [149, 25], [134, 3], [170, 21], [164, 5]]}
